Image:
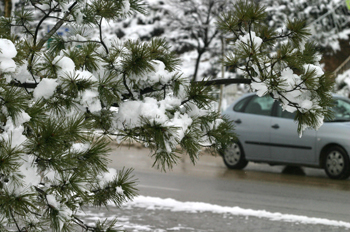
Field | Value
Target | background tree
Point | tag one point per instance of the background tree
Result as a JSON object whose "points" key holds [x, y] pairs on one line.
{"points": [[188, 26], [193, 27], [328, 19], [63, 97]]}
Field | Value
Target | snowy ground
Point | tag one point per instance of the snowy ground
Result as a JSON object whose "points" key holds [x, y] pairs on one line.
{"points": [[159, 215]]}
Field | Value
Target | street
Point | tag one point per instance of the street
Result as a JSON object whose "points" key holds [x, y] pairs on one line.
{"points": [[308, 192]]}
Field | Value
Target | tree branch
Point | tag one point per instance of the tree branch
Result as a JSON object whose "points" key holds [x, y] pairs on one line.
{"points": [[101, 39], [56, 27], [14, 219], [32, 85]]}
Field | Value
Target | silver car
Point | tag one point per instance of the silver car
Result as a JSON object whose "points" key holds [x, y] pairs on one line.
{"points": [[268, 134]]}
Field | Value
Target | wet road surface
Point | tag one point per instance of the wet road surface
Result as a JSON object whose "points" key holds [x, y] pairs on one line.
{"points": [[305, 191]]}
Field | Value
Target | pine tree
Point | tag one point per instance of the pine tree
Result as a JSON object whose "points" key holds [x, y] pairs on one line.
{"points": [[64, 97], [283, 64]]}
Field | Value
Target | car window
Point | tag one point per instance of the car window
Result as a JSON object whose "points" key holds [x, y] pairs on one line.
{"points": [[341, 109], [239, 107], [259, 105]]}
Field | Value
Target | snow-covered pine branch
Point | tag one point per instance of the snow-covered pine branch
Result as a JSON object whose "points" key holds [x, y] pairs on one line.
{"points": [[281, 64], [88, 85]]}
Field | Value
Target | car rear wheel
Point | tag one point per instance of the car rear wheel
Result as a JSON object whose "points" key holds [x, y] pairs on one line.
{"points": [[234, 157], [337, 164]]}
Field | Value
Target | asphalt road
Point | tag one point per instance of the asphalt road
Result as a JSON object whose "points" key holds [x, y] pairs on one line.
{"points": [[308, 192]]}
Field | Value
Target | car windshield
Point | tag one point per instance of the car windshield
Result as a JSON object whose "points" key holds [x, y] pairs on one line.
{"points": [[341, 110]]}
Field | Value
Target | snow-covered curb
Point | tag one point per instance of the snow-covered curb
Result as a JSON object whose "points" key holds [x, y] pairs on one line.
{"points": [[155, 203]]}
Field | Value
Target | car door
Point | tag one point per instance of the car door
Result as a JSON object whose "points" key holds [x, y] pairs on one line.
{"points": [[252, 120], [286, 145]]}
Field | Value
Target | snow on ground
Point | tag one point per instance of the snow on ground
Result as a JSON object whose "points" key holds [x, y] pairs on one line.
{"points": [[146, 213], [197, 207]]}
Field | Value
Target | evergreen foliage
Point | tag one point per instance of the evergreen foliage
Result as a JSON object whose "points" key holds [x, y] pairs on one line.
{"points": [[63, 97], [280, 63]]}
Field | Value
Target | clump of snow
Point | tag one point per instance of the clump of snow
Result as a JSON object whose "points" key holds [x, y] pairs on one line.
{"points": [[170, 102], [260, 88], [64, 213], [294, 90], [78, 38], [79, 16], [21, 118], [120, 190], [158, 75], [13, 133], [306, 104], [51, 200], [109, 176], [7, 49], [80, 147], [90, 99], [85, 75], [22, 74], [29, 171], [249, 38], [65, 65], [131, 111], [181, 122], [50, 175], [45, 88], [194, 111], [7, 52], [126, 7]]}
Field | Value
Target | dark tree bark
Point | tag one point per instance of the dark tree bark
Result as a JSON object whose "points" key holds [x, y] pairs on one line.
{"points": [[7, 8]]}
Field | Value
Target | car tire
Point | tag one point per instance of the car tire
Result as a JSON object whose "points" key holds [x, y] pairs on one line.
{"points": [[336, 163], [234, 157]]}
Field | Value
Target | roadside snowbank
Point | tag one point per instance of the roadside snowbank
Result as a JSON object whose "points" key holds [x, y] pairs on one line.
{"points": [[155, 203]]}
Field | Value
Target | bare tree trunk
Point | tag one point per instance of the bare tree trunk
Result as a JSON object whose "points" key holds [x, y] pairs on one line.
{"points": [[222, 72], [8, 8], [200, 53]]}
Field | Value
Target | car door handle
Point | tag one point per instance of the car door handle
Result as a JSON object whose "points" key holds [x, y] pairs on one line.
{"points": [[238, 121], [276, 126]]}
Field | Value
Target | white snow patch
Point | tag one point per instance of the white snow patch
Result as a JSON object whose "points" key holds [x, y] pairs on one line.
{"points": [[22, 73], [152, 203], [14, 133], [90, 99], [65, 65], [260, 87], [126, 7], [7, 52], [45, 88], [51, 200], [120, 190], [251, 38]]}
